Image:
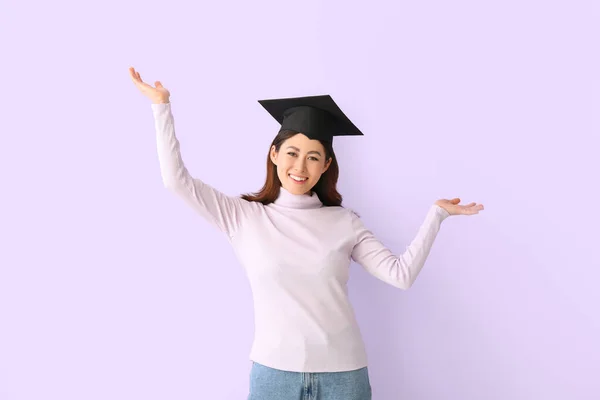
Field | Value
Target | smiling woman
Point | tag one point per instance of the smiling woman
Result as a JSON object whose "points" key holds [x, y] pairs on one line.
{"points": [[295, 241], [301, 159], [299, 165]]}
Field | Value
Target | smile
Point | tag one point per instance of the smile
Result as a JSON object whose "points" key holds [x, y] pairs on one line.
{"points": [[297, 179]]}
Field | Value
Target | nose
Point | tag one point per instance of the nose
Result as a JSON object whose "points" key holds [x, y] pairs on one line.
{"points": [[300, 164]]}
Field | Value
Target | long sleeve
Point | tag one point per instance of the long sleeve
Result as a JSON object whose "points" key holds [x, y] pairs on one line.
{"points": [[399, 271], [223, 211]]}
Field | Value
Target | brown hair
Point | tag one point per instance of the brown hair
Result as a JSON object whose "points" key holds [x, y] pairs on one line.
{"points": [[325, 188]]}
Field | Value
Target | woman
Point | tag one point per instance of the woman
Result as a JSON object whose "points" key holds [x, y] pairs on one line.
{"points": [[295, 242]]}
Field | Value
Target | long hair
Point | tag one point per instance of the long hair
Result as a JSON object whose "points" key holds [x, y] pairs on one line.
{"points": [[325, 188]]}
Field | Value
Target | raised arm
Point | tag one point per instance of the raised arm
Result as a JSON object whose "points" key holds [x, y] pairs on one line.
{"points": [[225, 212], [399, 271]]}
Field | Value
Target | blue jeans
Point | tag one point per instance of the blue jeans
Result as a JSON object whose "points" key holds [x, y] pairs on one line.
{"points": [[274, 384]]}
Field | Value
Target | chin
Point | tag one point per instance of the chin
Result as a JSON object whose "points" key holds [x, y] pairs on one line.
{"points": [[297, 188]]}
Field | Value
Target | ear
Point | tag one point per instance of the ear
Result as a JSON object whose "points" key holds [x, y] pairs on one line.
{"points": [[327, 164], [273, 155]]}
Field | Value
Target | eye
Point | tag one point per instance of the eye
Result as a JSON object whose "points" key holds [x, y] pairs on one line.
{"points": [[291, 153], [314, 158]]}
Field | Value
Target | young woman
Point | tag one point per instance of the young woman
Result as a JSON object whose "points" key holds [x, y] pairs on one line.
{"points": [[295, 242]]}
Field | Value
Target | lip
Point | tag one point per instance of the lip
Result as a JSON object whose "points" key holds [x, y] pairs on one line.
{"points": [[296, 182]]}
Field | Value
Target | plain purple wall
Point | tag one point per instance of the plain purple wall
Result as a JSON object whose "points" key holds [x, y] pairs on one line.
{"points": [[112, 288]]}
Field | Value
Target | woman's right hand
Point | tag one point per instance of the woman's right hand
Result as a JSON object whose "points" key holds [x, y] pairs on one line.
{"points": [[158, 94]]}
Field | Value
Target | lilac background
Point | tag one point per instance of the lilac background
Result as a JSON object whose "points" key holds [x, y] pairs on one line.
{"points": [[111, 288]]}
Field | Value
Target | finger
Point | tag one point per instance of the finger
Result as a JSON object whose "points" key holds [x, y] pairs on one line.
{"points": [[132, 73], [137, 78], [138, 82], [143, 86], [135, 75]]}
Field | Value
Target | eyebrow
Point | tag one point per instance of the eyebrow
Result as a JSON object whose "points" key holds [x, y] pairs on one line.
{"points": [[297, 149]]}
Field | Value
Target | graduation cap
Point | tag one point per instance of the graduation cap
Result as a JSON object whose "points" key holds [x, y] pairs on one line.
{"points": [[317, 117]]}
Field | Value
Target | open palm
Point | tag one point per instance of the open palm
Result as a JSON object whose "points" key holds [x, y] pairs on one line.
{"points": [[158, 94], [454, 208]]}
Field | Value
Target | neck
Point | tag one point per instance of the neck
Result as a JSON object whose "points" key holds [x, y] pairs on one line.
{"points": [[302, 201]]}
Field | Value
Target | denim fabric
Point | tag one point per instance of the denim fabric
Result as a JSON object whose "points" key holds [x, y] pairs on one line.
{"points": [[273, 384]]}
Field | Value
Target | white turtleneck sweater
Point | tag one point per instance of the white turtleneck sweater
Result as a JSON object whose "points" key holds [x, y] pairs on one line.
{"points": [[296, 253]]}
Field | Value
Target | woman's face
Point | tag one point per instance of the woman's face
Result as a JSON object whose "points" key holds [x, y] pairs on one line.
{"points": [[300, 163]]}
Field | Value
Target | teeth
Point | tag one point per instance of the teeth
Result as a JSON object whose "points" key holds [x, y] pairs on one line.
{"points": [[297, 178]]}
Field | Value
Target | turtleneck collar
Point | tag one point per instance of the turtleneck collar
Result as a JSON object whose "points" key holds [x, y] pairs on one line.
{"points": [[304, 201]]}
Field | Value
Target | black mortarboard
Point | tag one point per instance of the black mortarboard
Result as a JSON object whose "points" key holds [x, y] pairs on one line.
{"points": [[318, 117]]}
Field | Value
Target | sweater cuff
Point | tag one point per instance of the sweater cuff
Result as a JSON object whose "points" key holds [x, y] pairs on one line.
{"points": [[160, 106], [441, 212]]}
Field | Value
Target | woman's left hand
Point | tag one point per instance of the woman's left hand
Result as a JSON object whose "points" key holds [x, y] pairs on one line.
{"points": [[454, 208]]}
